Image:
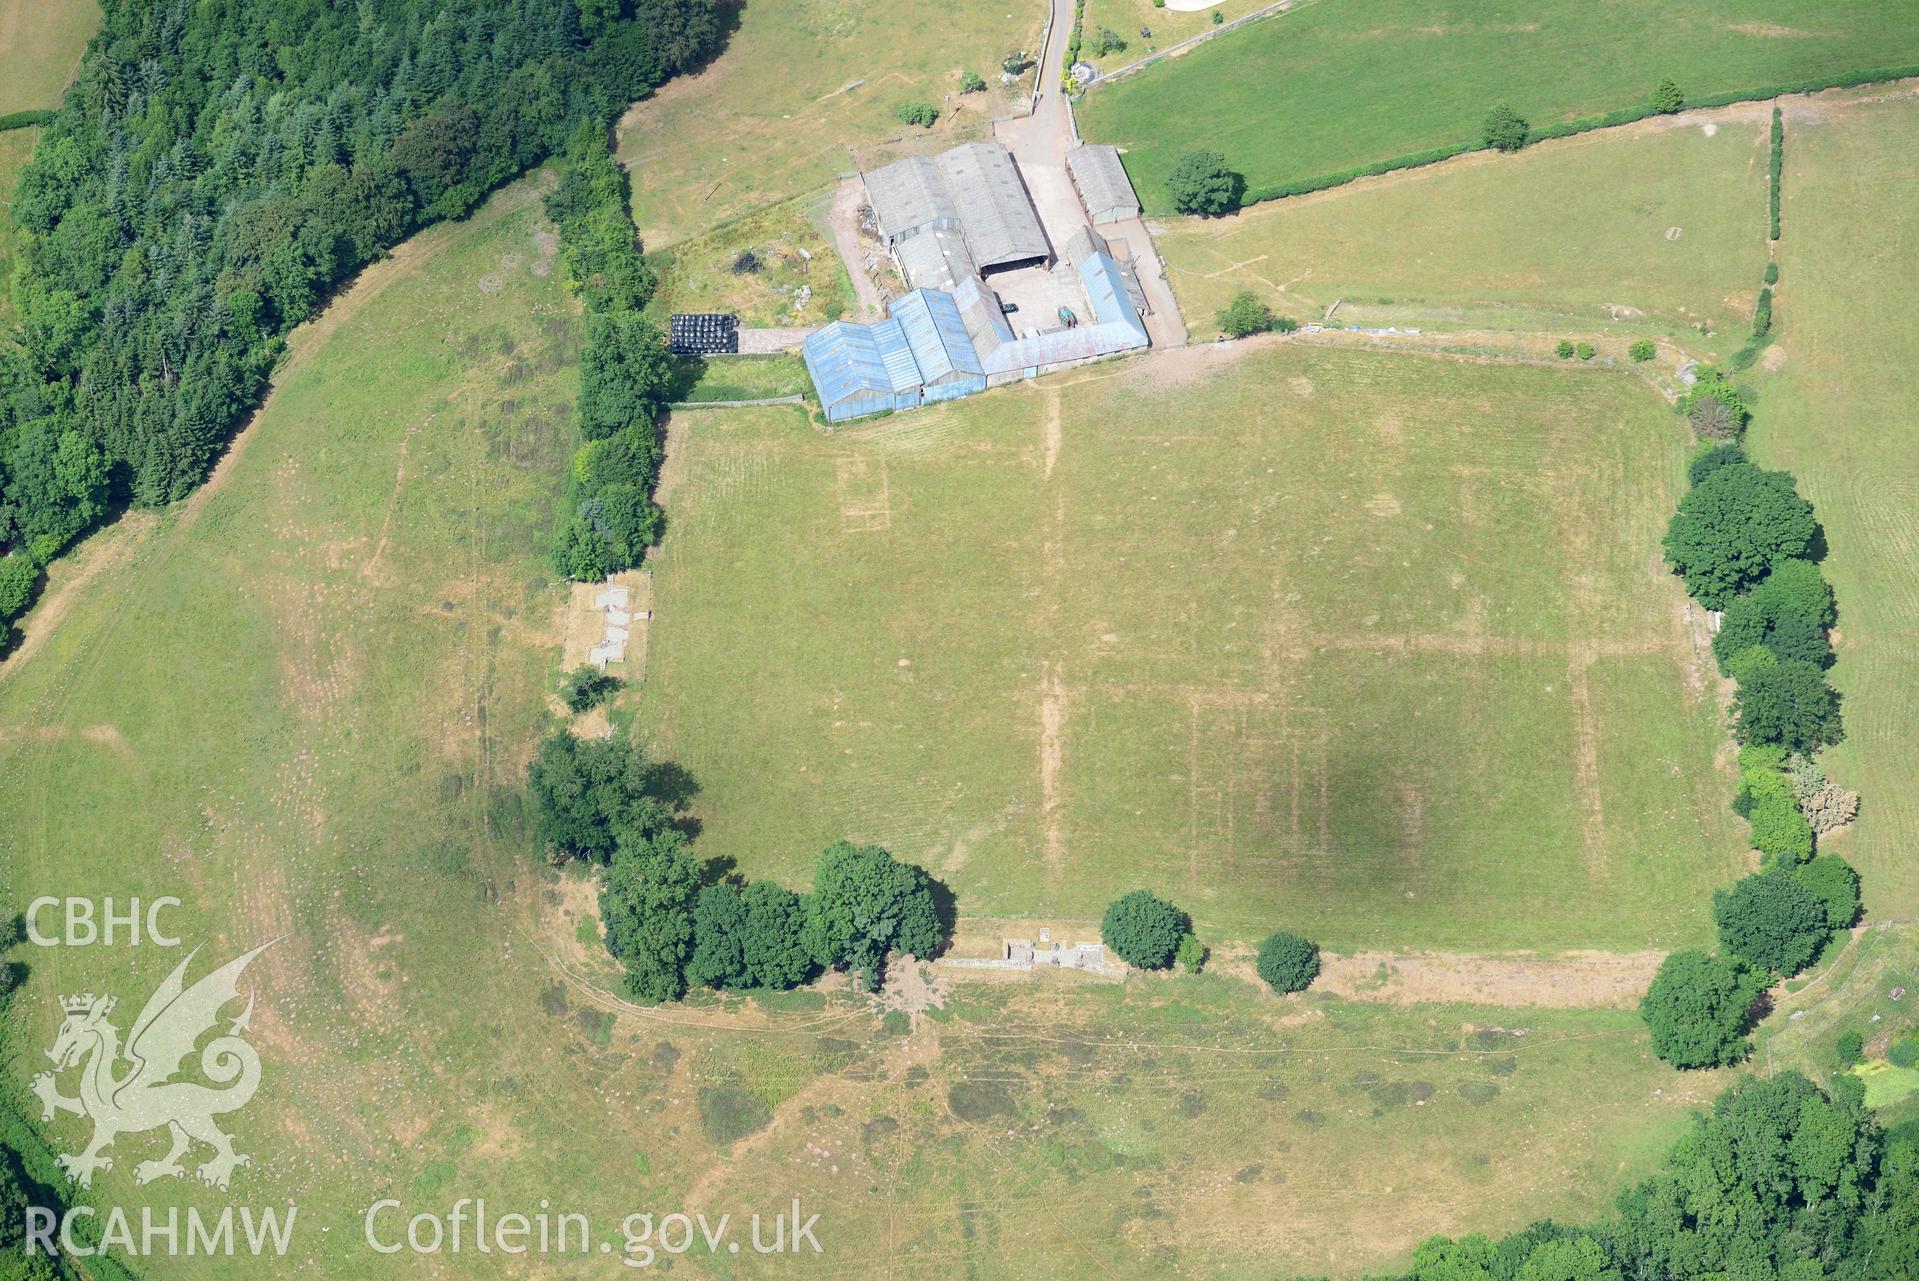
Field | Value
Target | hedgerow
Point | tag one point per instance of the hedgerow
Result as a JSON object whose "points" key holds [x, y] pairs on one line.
{"points": [[26, 119], [1568, 128], [1741, 540]]}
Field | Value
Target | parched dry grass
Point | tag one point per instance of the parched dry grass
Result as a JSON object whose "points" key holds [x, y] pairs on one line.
{"points": [[806, 90], [1372, 646], [1655, 230], [40, 46]]}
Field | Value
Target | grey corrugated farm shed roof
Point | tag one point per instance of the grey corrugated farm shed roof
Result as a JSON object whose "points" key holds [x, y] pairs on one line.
{"points": [[1102, 181], [974, 189], [909, 196], [935, 259]]}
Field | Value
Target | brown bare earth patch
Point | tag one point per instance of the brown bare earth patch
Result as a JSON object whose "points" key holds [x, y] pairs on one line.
{"points": [[1569, 980], [1052, 753]]}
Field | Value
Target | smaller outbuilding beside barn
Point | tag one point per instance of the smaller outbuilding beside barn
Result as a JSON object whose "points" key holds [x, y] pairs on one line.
{"points": [[1101, 181]]}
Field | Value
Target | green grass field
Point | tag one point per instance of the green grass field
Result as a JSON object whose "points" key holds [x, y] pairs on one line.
{"points": [[1334, 85], [750, 378], [1654, 229], [806, 91], [40, 46], [301, 703], [1838, 412], [1169, 26], [1373, 647]]}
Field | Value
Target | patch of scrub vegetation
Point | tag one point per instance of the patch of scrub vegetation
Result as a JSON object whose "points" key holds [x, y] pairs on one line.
{"points": [[1856, 1007], [777, 266], [805, 92], [1652, 229], [1278, 97], [730, 1112], [1320, 778]]}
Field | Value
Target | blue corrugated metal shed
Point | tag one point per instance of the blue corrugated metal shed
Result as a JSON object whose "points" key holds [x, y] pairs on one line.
{"points": [[889, 338], [937, 333], [854, 375], [1106, 291]]}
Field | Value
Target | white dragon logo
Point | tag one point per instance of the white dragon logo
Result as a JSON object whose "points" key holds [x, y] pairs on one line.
{"points": [[145, 1097]]}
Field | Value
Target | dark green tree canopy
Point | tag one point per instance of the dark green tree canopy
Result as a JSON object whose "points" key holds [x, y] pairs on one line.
{"points": [[1733, 527], [591, 791], [1506, 129], [750, 938], [1711, 458], [1697, 1008], [1287, 962], [1832, 881], [1789, 704], [218, 168], [1795, 597], [1200, 183], [1771, 920], [1778, 1182], [647, 903], [1143, 929], [865, 904], [719, 931], [1245, 316]]}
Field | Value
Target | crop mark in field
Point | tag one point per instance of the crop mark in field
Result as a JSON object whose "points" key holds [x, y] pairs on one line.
{"points": [[1475, 644], [1586, 765], [371, 570], [1052, 754], [1054, 431], [1253, 763], [866, 503]]}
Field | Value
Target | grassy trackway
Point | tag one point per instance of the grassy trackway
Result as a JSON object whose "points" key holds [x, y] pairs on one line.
{"points": [[1335, 85]]}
